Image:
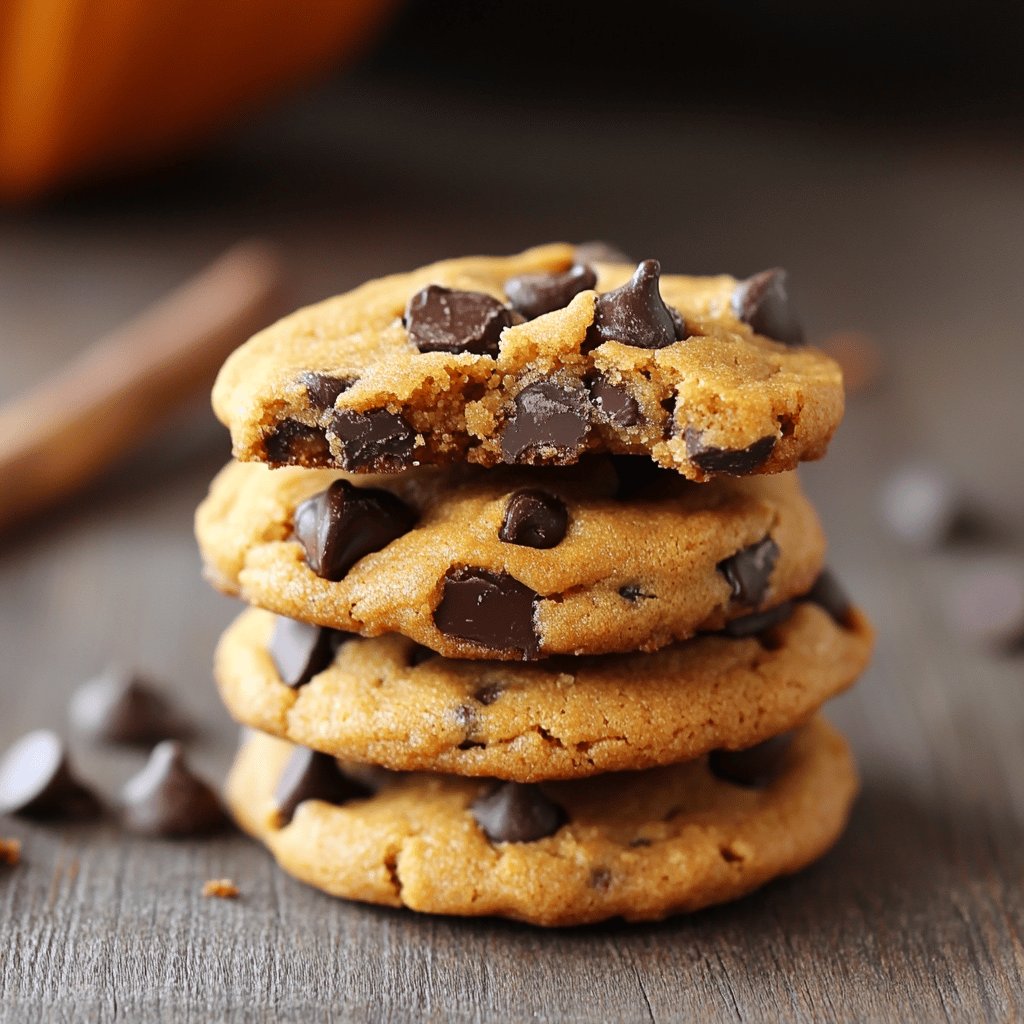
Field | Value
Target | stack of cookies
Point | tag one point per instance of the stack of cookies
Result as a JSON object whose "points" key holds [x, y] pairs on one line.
{"points": [[540, 620]]}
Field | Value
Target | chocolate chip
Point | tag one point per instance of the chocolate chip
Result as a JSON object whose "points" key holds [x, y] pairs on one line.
{"points": [[550, 419], [615, 403], [749, 570], [986, 606], [300, 651], [295, 443], [534, 295], [763, 302], [753, 767], [517, 813], [339, 526], [377, 441], [119, 706], [492, 609], [600, 252], [636, 473], [322, 389], [923, 506], [487, 695], [751, 625], [442, 320], [534, 519], [167, 799], [828, 592], [633, 592], [733, 461], [635, 314], [600, 878], [37, 781], [310, 775]]}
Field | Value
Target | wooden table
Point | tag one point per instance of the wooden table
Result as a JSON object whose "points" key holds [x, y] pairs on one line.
{"points": [[917, 240]]}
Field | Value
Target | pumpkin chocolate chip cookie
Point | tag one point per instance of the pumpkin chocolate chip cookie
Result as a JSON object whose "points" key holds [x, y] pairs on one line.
{"points": [[536, 359]]}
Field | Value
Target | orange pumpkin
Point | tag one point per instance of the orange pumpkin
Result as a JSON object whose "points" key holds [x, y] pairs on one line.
{"points": [[88, 85]]}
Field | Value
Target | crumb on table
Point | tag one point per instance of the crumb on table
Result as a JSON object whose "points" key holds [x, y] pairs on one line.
{"points": [[221, 888], [10, 851]]}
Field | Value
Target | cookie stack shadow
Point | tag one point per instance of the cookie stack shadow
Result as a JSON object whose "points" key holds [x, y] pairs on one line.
{"points": [[540, 620]]}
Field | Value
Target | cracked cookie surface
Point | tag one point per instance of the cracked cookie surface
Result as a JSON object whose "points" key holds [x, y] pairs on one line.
{"points": [[640, 846], [381, 701], [510, 563], [462, 361]]}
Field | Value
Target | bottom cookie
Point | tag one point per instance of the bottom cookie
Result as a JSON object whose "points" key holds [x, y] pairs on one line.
{"points": [[636, 845]]}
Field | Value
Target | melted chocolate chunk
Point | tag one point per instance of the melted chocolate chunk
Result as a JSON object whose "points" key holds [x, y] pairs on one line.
{"points": [[534, 519], [322, 389], [633, 592], [300, 651], [636, 473], [339, 526], [119, 706], [167, 799], [753, 767], [751, 625], [442, 320], [550, 419], [615, 403], [294, 443], [635, 314], [534, 295], [733, 461], [516, 813], [310, 775], [37, 781], [600, 252], [378, 441], [828, 592], [749, 570], [763, 302], [492, 609]]}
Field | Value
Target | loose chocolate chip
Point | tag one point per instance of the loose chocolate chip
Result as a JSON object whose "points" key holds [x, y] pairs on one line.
{"points": [[749, 570], [300, 651], [167, 799], [828, 592], [534, 519], [119, 706], [534, 295], [487, 695], [310, 775], [295, 443], [492, 609], [322, 389], [550, 419], [753, 767], [339, 526], [378, 441], [733, 461], [635, 314], [442, 320], [517, 813], [751, 625], [37, 781], [763, 302], [636, 473], [615, 403], [633, 592], [600, 252], [924, 507]]}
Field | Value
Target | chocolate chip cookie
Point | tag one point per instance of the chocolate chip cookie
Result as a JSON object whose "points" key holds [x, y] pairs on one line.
{"points": [[640, 846], [536, 359], [511, 563], [389, 702]]}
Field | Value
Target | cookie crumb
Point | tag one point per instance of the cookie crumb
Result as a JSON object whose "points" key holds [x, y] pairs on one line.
{"points": [[10, 851], [221, 888]]}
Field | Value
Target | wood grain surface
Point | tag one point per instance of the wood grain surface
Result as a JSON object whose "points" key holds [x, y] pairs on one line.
{"points": [[916, 915]]}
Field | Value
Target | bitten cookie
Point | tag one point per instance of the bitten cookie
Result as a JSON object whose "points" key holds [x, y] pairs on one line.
{"points": [[537, 359], [613, 555], [636, 845], [386, 701]]}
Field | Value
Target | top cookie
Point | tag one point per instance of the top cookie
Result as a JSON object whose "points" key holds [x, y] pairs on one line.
{"points": [[536, 359]]}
